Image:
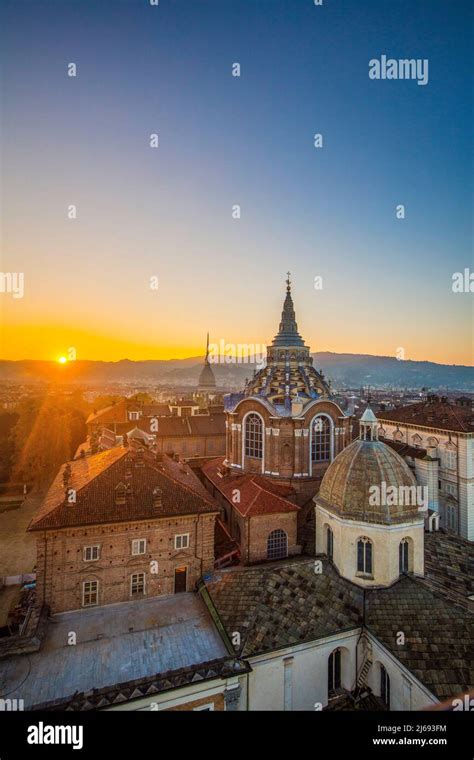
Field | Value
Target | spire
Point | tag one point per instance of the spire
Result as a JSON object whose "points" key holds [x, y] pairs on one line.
{"points": [[288, 334], [207, 350]]}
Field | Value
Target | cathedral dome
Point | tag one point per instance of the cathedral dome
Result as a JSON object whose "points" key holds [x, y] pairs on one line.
{"points": [[347, 488]]}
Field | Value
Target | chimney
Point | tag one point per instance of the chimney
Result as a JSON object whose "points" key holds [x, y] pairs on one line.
{"points": [[120, 494], [157, 497]]}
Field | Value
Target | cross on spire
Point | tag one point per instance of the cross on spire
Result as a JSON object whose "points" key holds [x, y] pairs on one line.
{"points": [[288, 282]]}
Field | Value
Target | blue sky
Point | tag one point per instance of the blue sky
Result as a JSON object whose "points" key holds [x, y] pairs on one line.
{"points": [[225, 141]]}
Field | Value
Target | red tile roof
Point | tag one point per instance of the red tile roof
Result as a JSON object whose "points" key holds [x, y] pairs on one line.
{"points": [[433, 414], [95, 478], [258, 495]]}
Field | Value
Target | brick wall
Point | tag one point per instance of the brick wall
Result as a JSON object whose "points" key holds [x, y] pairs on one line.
{"points": [[61, 568]]}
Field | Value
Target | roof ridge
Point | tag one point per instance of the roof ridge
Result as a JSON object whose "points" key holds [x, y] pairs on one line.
{"points": [[38, 517], [183, 485]]}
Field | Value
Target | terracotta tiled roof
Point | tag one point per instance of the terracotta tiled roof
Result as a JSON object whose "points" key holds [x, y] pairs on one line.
{"points": [[433, 414], [95, 478], [258, 495], [113, 413]]}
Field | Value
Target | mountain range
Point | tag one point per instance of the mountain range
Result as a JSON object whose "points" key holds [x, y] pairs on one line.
{"points": [[343, 370]]}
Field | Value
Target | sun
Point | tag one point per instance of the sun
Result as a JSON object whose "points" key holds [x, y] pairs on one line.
{"points": [[62, 360]]}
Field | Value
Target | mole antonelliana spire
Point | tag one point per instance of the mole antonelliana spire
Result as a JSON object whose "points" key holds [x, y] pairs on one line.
{"points": [[207, 381]]}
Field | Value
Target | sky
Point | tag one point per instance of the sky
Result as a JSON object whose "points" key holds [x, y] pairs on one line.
{"points": [[167, 212]]}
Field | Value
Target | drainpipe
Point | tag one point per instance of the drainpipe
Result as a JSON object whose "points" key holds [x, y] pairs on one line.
{"points": [[458, 480], [45, 566], [196, 543], [248, 540]]}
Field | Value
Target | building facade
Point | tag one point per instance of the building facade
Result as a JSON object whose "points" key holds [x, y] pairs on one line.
{"points": [[445, 432], [121, 525]]}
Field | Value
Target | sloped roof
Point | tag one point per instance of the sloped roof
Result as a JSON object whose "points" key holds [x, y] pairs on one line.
{"points": [[433, 414], [258, 495], [95, 478], [439, 636], [113, 413], [287, 603], [278, 605]]}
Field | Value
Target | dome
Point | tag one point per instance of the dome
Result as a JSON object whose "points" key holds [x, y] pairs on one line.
{"points": [[346, 485], [207, 381]]}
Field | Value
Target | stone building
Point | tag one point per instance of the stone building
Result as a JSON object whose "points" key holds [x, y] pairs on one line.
{"points": [[369, 519], [285, 425], [438, 437], [119, 525], [283, 432], [187, 435]]}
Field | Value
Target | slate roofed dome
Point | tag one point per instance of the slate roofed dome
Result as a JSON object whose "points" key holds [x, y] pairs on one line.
{"points": [[345, 488]]}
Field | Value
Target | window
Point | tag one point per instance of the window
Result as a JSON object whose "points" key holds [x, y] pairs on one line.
{"points": [[91, 552], [90, 593], [329, 542], [321, 440], [334, 670], [181, 541], [364, 556], [451, 489], [451, 517], [209, 706], [450, 460], [133, 415], [139, 546], [253, 436], [137, 584], [277, 544], [403, 549], [384, 686]]}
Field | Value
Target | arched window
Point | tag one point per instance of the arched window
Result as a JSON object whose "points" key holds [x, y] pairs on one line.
{"points": [[329, 542], [451, 517], [385, 686], [253, 436], [277, 544], [398, 435], [403, 548], [321, 439], [334, 670], [364, 556]]}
